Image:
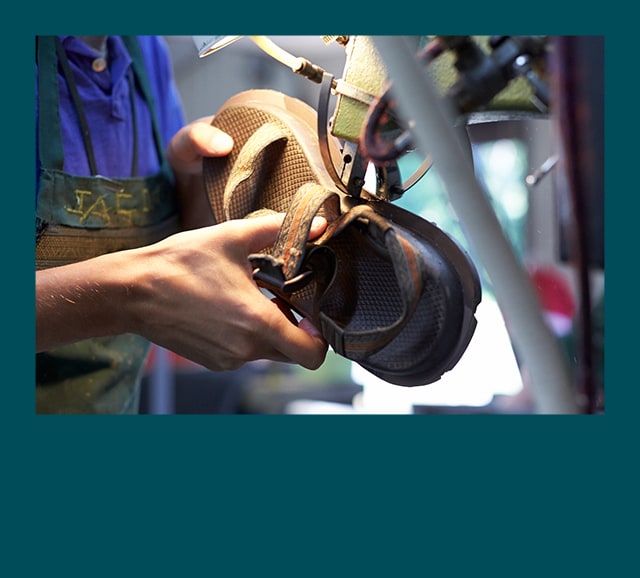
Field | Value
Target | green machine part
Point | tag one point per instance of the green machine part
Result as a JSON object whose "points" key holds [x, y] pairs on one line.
{"points": [[365, 70]]}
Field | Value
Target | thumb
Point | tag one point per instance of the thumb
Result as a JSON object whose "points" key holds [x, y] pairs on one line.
{"points": [[193, 142], [263, 231]]}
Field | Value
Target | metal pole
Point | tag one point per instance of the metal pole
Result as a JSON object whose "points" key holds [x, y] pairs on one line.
{"points": [[542, 358]]}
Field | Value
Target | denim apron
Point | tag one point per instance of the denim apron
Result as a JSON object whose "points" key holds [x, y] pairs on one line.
{"points": [[79, 217]]}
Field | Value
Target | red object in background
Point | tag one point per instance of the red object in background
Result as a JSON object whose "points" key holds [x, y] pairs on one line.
{"points": [[553, 290], [556, 298]]}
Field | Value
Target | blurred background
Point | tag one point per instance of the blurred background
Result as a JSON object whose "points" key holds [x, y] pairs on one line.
{"points": [[489, 379]]}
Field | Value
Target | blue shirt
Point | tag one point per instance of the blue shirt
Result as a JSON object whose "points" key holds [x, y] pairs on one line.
{"points": [[106, 99]]}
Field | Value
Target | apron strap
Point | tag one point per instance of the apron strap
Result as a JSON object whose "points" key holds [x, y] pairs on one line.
{"points": [[77, 101], [133, 46], [50, 149]]}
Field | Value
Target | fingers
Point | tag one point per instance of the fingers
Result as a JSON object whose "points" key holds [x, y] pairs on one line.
{"points": [[306, 349], [261, 232], [249, 325], [208, 140], [302, 344], [285, 310], [194, 141], [272, 333], [299, 343], [318, 225], [306, 325]]}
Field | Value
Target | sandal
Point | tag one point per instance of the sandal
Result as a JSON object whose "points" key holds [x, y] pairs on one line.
{"points": [[388, 290]]}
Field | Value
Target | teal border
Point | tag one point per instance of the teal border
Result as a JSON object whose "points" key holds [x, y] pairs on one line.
{"points": [[323, 495]]}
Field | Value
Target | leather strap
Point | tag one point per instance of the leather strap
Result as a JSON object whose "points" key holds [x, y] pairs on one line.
{"points": [[291, 254], [290, 245], [242, 182]]}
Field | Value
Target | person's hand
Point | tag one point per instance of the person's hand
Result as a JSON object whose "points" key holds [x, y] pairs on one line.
{"points": [[192, 293], [185, 152], [197, 298]]}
